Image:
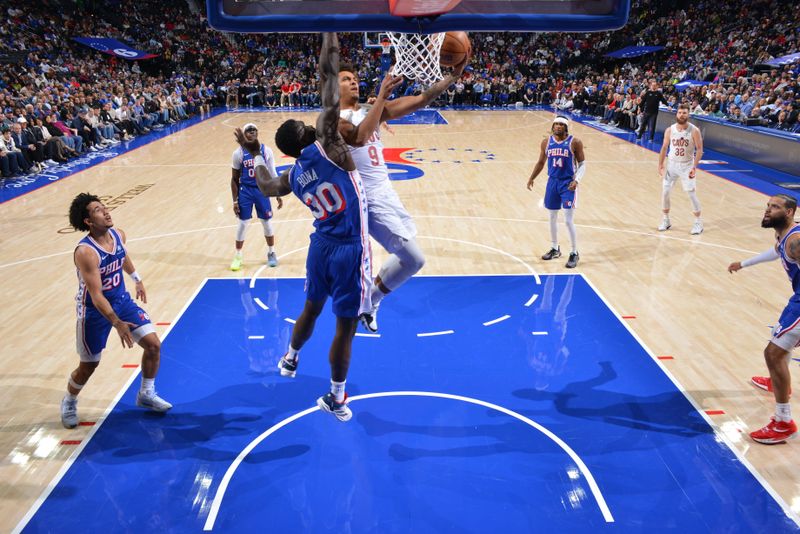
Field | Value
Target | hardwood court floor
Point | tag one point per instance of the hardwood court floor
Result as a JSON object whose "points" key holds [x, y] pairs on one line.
{"points": [[173, 199]]}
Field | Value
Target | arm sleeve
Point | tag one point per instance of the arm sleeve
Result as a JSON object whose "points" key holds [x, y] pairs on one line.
{"points": [[237, 159], [767, 255]]}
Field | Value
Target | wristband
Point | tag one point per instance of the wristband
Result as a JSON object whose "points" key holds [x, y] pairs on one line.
{"points": [[258, 161], [136, 277]]}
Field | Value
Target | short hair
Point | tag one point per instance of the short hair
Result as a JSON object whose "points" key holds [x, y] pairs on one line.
{"points": [[347, 67], [78, 210], [287, 140], [683, 106], [790, 203]]}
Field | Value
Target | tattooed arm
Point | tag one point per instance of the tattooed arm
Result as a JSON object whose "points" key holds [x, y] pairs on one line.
{"points": [[328, 121], [793, 247]]}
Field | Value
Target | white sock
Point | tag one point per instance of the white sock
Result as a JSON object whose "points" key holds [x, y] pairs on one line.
{"points": [[148, 385], [337, 389], [783, 412], [698, 219], [377, 296], [238, 252], [70, 397], [270, 249]]}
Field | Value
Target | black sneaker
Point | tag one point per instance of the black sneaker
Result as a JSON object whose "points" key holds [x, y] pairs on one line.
{"points": [[572, 262], [552, 253], [288, 367], [327, 403]]}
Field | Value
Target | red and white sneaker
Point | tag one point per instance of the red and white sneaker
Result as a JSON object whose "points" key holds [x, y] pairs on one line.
{"points": [[765, 383], [775, 432]]}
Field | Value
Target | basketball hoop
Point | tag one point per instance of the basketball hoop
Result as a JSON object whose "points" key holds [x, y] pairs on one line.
{"points": [[386, 46], [417, 56]]}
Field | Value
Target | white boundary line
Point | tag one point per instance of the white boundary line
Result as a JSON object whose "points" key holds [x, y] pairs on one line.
{"points": [[539, 333], [223, 486], [359, 334], [718, 434], [255, 337], [440, 333], [495, 321], [261, 304], [74, 456]]}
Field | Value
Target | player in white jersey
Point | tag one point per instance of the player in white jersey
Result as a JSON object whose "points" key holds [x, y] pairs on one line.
{"points": [[389, 222], [246, 197], [683, 148]]}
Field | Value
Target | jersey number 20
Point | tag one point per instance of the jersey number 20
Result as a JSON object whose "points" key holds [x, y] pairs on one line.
{"points": [[327, 200]]}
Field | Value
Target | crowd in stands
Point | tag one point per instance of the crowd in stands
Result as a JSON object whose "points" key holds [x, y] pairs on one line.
{"points": [[59, 98]]}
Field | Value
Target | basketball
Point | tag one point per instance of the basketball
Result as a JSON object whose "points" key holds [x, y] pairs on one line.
{"points": [[455, 47]]}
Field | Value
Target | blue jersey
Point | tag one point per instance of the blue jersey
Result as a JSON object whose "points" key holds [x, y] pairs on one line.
{"points": [[789, 265], [248, 176], [335, 196], [110, 264], [560, 159]]}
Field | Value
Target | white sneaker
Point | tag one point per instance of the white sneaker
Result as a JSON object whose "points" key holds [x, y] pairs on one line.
{"points": [[69, 412], [370, 320], [52, 162], [664, 226], [697, 228], [152, 401]]}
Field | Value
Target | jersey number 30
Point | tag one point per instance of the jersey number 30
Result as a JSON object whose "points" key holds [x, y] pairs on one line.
{"points": [[327, 200]]}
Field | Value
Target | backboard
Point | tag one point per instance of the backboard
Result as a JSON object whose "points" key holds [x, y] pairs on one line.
{"points": [[290, 16]]}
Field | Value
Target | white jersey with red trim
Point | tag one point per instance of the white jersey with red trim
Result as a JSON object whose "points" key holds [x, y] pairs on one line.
{"points": [[368, 158], [681, 144]]}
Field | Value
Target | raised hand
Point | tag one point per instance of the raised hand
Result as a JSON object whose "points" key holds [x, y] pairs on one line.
{"points": [[254, 146]]}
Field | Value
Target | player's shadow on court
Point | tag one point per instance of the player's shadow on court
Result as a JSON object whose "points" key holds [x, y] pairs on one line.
{"points": [[667, 412], [205, 428]]}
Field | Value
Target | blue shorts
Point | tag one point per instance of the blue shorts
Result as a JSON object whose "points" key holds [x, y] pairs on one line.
{"points": [[341, 270], [93, 328], [557, 194], [786, 334], [249, 196]]}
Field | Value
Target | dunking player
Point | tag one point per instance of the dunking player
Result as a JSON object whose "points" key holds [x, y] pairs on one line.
{"points": [[389, 222], [103, 303], [683, 148], [246, 195], [566, 166], [325, 179], [786, 334]]}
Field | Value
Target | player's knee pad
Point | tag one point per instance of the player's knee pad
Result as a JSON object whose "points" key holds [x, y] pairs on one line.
{"points": [[241, 230], [411, 256], [665, 192], [695, 201], [267, 224]]}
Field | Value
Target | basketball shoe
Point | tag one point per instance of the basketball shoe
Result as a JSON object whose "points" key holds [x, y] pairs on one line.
{"points": [[370, 320], [665, 225], [327, 403], [765, 383], [572, 262], [69, 412], [152, 401], [552, 253], [288, 367], [272, 259], [236, 264], [775, 432], [697, 228]]}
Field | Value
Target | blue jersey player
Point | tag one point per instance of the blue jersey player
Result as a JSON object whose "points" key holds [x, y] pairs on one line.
{"points": [[563, 154], [339, 262], [779, 215], [103, 304], [247, 196]]}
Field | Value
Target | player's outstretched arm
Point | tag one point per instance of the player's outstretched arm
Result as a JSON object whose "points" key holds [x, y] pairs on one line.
{"points": [[359, 135], [328, 121], [402, 106], [768, 255], [269, 185], [539, 164]]}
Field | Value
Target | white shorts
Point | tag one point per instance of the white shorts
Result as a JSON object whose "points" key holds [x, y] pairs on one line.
{"points": [[389, 222], [679, 170]]}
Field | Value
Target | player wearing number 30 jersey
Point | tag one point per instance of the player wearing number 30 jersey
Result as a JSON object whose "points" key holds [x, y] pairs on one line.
{"points": [[683, 148]]}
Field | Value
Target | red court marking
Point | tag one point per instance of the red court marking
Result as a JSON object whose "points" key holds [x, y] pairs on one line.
{"points": [[86, 423], [629, 317], [130, 365], [70, 442], [666, 357], [715, 412], [163, 324]]}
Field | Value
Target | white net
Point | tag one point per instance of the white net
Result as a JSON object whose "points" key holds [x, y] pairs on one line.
{"points": [[417, 56]]}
